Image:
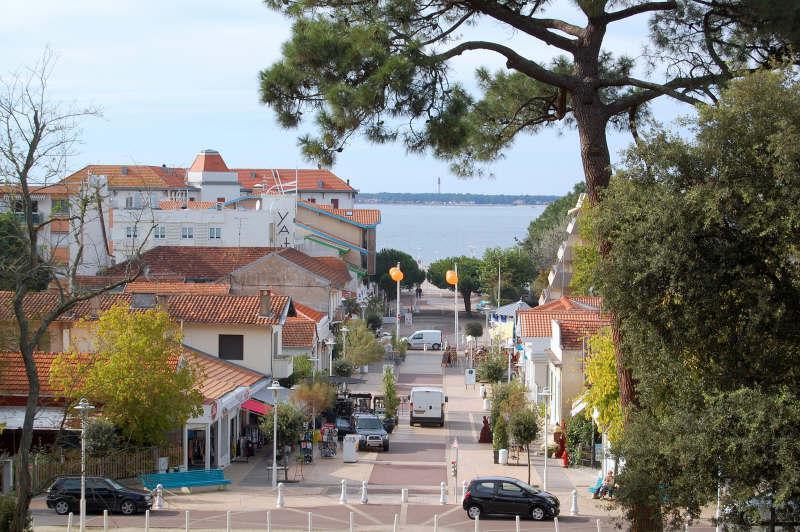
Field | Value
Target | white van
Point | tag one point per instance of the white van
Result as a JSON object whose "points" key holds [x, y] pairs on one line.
{"points": [[427, 405], [433, 339]]}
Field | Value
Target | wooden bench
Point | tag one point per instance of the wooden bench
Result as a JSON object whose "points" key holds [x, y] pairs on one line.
{"points": [[185, 479]]}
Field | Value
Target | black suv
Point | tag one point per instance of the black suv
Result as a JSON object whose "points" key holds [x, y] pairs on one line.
{"points": [[64, 496], [505, 495], [371, 433]]}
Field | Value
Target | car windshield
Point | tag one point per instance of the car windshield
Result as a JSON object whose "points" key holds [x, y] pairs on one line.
{"points": [[115, 485], [527, 487], [368, 423]]}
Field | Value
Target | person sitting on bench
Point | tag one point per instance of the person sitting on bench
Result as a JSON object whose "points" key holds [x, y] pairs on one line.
{"points": [[607, 487]]}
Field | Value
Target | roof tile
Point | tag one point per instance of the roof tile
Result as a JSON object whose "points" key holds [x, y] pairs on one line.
{"points": [[299, 333]]}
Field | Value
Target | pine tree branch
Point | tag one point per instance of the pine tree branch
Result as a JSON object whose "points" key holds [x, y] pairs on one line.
{"points": [[639, 9]]}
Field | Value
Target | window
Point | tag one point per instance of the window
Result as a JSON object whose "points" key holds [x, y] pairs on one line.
{"points": [[484, 489], [60, 206], [160, 232], [231, 346], [130, 231], [215, 233], [187, 232], [129, 202], [509, 488], [335, 203], [19, 206]]}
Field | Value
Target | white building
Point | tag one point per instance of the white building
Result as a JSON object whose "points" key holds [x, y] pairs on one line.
{"points": [[561, 272]]}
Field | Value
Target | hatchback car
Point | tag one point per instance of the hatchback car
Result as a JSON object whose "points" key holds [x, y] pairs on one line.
{"points": [[64, 496], [509, 496]]}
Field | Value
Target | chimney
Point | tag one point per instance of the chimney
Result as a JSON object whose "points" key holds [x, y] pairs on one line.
{"points": [[265, 308]]}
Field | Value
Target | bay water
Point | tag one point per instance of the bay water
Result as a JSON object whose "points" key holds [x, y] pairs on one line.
{"points": [[432, 232]]}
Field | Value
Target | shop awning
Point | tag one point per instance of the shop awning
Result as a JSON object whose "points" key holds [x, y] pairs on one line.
{"points": [[47, 418], [256, 407]]}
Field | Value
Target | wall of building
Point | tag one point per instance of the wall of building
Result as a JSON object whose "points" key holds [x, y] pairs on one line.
{"points": [[257, 342], [346, 199], [282, 276]]}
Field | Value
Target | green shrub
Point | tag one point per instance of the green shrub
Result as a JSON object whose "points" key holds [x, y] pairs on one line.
{"points": [[579, 436], [474, 329], [493, 369], [102, 437], [374, 321], [500, 434], [8, 505], [343, 368]]}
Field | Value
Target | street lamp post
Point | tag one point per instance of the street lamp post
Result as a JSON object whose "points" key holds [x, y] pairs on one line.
{"points": [[315, 360], [397, 275], [83, 407], [452, 278], [275, 387], [546, 394], [330, 342]]}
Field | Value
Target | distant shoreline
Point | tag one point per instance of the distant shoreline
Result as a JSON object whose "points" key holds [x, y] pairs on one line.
{"points": [[399, 198]]}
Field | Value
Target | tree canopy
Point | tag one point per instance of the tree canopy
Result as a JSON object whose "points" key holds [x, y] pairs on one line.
{"points": [[704, 279], [362, 346], [516, 273], [468, 281], [133, 375], [387, 259]]}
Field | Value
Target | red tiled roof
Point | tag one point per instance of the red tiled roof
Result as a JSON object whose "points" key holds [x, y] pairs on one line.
{"points": [[39, 303], [304, 311], [219, 377], [195, 262], [225, 309], [298, 332], [591, 301], [537, 324], [359, 216], [573, 332], [156, 287], [216, 377], [331, 268], [123, 176], [209, 161]]}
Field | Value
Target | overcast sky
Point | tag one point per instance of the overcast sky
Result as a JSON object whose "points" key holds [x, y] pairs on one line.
{"points": [[178, 76]]}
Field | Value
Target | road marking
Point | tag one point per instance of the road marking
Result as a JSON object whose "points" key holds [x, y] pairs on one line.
{"points": [[357, 510], [448, 512]]}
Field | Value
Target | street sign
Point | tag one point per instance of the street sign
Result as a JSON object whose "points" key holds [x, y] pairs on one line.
{"points": [[469, 377]]}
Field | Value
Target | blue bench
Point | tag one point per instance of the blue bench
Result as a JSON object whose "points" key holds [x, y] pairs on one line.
{"points": [[185, 479], [596, 487]]}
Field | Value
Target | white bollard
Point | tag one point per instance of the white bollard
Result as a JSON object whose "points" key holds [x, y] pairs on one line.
{"points": [[435, 522], [598, 526], [69, 522], [394, 529], [364, 498], [352, 521], [159, 503], [310, 527], [478, 523], [269, 521], [228, 521], [187, 521], [555, 523], [573, 507], [463, 490], [105, 520], [343, 496], [147, 521], [516, 522], [403, 495], [279, 500], [442, 493]]}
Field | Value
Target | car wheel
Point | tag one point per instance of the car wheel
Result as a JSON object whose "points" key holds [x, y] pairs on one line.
{"points": [[537, 513], [435, 347], [473, 511], [61, 507], [127, 508]]}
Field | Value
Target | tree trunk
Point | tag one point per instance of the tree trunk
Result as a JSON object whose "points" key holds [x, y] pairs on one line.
{"points": [[528, 448], [20, 520], [467, 297]]}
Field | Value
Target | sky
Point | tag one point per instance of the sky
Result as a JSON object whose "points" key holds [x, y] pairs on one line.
{"points": [[179, 76]]}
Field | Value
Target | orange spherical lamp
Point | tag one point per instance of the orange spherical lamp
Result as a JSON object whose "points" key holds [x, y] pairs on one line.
{"points": [[396, 274], [451, 277]]}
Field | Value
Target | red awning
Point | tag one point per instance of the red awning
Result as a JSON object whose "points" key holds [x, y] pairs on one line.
{"points": [[257, 406]]}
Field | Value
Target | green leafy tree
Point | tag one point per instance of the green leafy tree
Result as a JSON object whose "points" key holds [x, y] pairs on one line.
{"points": [[302, 368], [492, 369], [133, 375], [468, 281], [602, 386], [704, 279], [387, 259], [362, 346], [102, 437], [343, 368], [517, 272], [390, 399], [524, 429], [315, 396], [474, 329], [291, 425]]}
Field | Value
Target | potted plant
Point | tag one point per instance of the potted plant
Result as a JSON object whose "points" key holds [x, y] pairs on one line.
{"points": [[499, 437]]}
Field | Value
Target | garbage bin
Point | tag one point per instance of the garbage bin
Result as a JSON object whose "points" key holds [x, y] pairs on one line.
{"points": [[503, 456], [350, 445]]}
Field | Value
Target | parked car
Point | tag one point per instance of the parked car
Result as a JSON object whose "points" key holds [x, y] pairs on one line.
{"points": [[371, 432], [419, 339], [427, 405], [64, 496], [343, 427], [505, 495]]}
